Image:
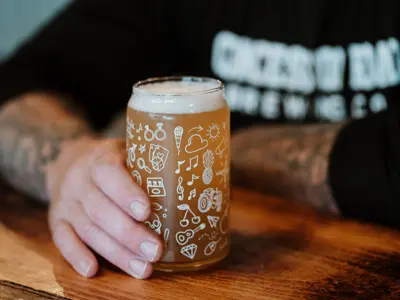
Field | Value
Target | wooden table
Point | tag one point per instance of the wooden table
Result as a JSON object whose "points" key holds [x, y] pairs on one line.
{"points": [[279, 251]]}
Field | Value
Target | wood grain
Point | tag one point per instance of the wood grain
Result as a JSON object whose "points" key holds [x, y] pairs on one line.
{"points": [[279, 251], [11, 291]]}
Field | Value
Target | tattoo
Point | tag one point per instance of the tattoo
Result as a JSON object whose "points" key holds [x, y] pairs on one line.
{"points": [[32, 130], [290, 161]]}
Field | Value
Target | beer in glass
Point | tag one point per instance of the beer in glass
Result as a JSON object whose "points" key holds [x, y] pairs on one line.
{"points": [[178, 135]]}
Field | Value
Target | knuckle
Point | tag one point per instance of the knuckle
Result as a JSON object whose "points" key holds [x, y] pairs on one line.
{"points": [[106, 150], [124, 231], [109, 159], [94, 207], [59, 212]]}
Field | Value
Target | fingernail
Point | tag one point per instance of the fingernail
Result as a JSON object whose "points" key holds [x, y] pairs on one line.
{"points": [[138, 268], [85, 268], [139, 209], [149, 249]]}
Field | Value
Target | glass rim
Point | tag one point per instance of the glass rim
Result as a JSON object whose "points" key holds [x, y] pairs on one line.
{"points": [[219, 85]]}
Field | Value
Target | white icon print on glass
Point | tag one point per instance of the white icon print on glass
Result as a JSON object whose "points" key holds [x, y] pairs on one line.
{"points": [[132, 155], [166, 237], [148, 134], [178, 169], [213, 132], [223, 224], [211, 237], [129, 128], [211, 247], [158, 207], [194, 162], [178, 133], [155, 225], [142, 148], [208, 161], [195, 144], [140, 129], [158, 156], [210, 199], [136, 176], [213, 220], [182, 237], [222, 147], [142, 165], [224, 172], [159, 134], [180, 189], [197, 128], [189, 251], [155, 187], [194, 177], [185, 221], [192, 194]]}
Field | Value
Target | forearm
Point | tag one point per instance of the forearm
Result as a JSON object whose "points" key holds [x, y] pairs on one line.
{"points": [[34, 129], [291, 161]]}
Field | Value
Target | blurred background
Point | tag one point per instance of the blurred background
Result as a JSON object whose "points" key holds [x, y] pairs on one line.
{"points": [[20, 18]]}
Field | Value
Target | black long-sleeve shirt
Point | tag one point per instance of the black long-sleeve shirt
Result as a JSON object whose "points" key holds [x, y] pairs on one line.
{"points": [[282, 61]]}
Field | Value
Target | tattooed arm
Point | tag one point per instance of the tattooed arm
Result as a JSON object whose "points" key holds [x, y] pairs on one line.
{"points": [[33, 131], [290, 161]]}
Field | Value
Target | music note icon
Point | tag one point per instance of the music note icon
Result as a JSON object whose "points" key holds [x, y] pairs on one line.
{"points": [[194, 177], [192, 194], [180, 189], [193, 165], [178, 170], [139, 129]]}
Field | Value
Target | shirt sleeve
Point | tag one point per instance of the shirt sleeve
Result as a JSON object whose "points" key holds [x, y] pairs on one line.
{"points": [[94, 51], [364, 169]]}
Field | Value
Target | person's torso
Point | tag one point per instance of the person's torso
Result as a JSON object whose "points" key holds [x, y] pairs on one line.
{"points": [[294, 61], [282, 61]]}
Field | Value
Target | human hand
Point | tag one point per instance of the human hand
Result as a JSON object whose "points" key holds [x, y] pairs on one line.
{"points": [[94, 201]]}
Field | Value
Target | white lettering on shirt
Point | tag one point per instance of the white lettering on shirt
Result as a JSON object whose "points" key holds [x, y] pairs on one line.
{"points": [[329, 68], [274, 80]]}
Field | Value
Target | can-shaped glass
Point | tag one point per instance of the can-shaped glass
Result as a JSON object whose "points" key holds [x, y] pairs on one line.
{"points": [[178, 151]]}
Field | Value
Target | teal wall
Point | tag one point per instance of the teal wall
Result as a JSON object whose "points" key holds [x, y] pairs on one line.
{"points": [[19, 18]]}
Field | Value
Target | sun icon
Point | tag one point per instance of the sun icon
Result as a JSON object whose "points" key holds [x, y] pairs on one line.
{"points": [[213, 132]]}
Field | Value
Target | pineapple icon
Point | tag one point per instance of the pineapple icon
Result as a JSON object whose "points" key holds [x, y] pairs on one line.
{"points": [[208, 161]]}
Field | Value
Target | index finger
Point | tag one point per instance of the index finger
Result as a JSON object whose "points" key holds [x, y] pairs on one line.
{"points": [[111, 176]]}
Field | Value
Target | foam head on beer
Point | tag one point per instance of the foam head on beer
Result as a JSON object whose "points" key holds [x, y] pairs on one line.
{"points": [[178, 96]]}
